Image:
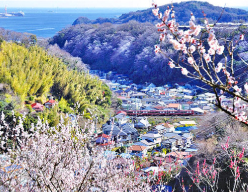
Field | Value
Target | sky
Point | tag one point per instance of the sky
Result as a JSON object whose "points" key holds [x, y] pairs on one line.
{"points": [[107, 3]]}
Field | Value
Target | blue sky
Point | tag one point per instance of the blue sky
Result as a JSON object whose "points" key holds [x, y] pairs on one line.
{"points": [[107, 3]]}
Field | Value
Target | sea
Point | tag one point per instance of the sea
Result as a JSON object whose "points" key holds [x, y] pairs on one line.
{"points": [[46, 22]]}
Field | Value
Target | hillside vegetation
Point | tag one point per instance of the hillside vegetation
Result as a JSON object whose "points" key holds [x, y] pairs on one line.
{"points": [[182, 10], [126, 48], [31, 72]]}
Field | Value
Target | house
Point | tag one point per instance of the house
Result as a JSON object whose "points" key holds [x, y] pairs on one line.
{"points": [[172, 92], [185, 106], [160, 90], [114, 86], [146, 143], [129, 92], [169, 127], [160, 128], [130, 130], [197, 111], [120, 136], [50, 104], [175, 106], [176, 138], [170, 144], [121, 118], [187, 123], [138, 95], [156, 138], [165, 127], [107, 129], [121, 93], [151, 86], [142, 123], [103, 139], [37, 107], [178, 155], [135, 103], [188, 137], [137, 149], [149, 101]]}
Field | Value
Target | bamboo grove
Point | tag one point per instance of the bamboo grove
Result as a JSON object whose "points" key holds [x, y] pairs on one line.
{"points": [[33, 72]]}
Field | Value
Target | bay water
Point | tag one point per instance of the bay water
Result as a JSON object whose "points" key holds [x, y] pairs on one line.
{"points": [[46, 22]]}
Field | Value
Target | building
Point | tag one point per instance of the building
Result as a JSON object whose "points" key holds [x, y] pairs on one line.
{"points": [[50, 104], [37, 107]]}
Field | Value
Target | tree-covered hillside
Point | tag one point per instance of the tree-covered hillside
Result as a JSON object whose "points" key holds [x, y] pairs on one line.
{"points": [[182, 9], [33, 72], [127, 48]]}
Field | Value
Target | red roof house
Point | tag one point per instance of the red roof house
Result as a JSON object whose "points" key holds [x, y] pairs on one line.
{"points": [[37, 107], [50, 103]]}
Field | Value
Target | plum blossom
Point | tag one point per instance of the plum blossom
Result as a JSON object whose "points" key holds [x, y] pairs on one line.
{"points": [[184, 71], [176, 44], [157, 49], [241, 37], [190, 60], [166, 15], [155, 11], [171, 64], [207, 57], [192, 49], [220, 50], [246, 87], [211, 51], [236, 88], [218, 67]]}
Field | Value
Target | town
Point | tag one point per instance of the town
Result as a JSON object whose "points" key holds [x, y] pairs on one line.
{"points": [[173, 111]]}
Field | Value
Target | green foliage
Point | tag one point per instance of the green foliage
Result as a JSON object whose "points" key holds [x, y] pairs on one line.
{"points": [[32, 72], [51, 116], [29, 119], [8, 98], [64, 106], [119, 102], [33, 39], [29, 108]]}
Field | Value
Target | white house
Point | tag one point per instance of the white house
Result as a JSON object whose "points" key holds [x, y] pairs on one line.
{"points": [[156, 138]]}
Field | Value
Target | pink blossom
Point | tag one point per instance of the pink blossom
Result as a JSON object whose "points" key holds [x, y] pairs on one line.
{"points": [[171, 64], [241, 37], [236, 88], [159, 25], [176, 44], [184, 71], [202, 50], [157, 49], [220, 50], [207, 57], [192, 49], [219, 67], [155, 11], [162, 37], [190, 60], [211, 51], [246, 87], [166, 15], [211, 36]]}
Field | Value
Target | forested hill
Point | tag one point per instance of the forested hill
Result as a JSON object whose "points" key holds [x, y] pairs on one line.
{"points": [[182, 11], [127, 48]]}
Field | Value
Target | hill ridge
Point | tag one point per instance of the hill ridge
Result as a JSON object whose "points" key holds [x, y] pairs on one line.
{"points": [[182, 11]]}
